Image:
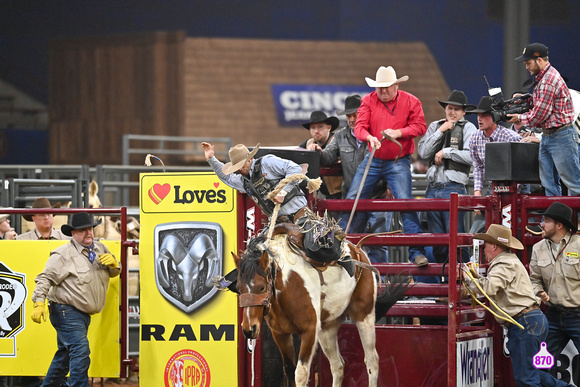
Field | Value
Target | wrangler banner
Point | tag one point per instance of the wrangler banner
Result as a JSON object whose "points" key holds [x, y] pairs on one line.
{"points": [[188, 328], [27, 348]]}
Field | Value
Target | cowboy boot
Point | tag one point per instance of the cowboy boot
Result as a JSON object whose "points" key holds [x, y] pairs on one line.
{"points": [[345, 259]]}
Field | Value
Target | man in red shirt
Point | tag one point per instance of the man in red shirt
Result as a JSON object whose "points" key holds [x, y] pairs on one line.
{"points": [[400, 115]]}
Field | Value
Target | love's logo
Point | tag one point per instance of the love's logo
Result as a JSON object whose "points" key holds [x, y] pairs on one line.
{"points": [[158, 192]]}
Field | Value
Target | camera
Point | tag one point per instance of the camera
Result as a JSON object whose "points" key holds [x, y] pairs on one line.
{"points": [[501, 108], [517, 105]]}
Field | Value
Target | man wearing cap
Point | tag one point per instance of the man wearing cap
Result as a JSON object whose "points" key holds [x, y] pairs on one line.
{"points": [[6, 232], [321, 129], [446, 147], [397, 115], [43, 223], [259, 177], [553, 112], [489, 131], [351, 151], [508, 284], [75, 282], [555, 276]]}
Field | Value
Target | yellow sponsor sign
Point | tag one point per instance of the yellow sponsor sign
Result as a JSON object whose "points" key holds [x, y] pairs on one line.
{"points": [[177, 192], [27, 348], [189, 330]]}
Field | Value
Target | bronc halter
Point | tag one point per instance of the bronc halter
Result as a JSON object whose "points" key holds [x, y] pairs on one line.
{"points": [[264, 298], [261, 299]]}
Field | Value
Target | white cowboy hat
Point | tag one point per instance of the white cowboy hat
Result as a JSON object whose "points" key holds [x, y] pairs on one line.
{"points": [[386, 76]]}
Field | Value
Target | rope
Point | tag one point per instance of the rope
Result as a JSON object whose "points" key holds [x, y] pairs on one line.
{"points": [[148, 160], [312, 185], [474, 297]]}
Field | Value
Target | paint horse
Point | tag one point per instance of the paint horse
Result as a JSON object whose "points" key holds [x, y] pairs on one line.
{"points": [[277, 283]]}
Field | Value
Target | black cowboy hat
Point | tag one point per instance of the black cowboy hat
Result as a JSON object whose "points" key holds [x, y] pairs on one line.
{"points": [[319, 116], [457, 98], [79, 220], [561, 213], [351, 105], [484, 106]]}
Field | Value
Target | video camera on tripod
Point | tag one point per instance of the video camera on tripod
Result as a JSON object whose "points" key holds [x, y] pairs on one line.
{"points": [[501, 108]]}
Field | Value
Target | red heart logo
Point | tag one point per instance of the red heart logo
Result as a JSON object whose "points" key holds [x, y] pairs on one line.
{"points": [[216, 184], [158, 192]]}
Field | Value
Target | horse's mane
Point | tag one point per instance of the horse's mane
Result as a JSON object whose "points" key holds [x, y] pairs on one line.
{"points": [[250, 262]]}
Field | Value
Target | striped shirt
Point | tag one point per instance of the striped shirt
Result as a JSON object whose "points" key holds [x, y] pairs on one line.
{"points": [[552, 101], [477, 150]]}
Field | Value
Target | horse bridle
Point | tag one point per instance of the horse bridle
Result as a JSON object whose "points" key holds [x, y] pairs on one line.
{"points": [[261, 299]]}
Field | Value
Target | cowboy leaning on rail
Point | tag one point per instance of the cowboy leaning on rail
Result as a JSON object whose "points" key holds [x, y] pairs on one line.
{"points": [[509, 286], [258, 177]]}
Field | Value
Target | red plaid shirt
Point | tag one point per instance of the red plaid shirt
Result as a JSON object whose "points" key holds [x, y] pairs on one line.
{"points": [[552, 101]]}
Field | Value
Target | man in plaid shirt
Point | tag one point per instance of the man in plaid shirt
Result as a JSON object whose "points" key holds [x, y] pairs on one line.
{"points": [[489, 131], [553, 112]]}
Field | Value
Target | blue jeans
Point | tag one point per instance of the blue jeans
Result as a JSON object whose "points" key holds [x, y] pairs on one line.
{"points": [[398, 177], [559, 161], [563, 328], [439, 220], [73, 351], [524, 344], [372, 223]]}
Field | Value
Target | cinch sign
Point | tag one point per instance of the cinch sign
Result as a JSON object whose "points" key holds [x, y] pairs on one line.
{"points": [[294, 103]]}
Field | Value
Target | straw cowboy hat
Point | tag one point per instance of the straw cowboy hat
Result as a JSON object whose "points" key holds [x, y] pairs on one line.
{"points": [[561, 213], [457, 98], [319, 116], [386, 76], [484, 106], [501, 236], [239, 154], [79, 220], [40, 203], [351, 105], [3, 217]]}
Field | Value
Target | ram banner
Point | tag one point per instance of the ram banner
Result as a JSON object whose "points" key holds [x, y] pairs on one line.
{"points": [[188, 327]]}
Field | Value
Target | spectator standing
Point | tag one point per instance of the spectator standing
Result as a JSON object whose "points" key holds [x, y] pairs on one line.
{"points": [[399, 115], [446, 147], [554, 275], [75, 282], [351, 151], [489, 131], [553, 112], [44, 224], [321, 129], [508, 284]]}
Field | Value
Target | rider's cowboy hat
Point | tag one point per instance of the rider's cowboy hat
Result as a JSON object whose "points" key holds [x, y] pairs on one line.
{"points": [[319, 116], [40, 203], [561, 213], [501, 236], [239, 154], [79, 220], [386, 76], [457, 98], [351, 105]]}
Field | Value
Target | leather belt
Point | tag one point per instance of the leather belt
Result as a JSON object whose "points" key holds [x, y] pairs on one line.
{"points": [[552, 130], [524, 311]]}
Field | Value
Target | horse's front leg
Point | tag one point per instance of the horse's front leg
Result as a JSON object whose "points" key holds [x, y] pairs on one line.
{"points": [[307, 347], [329, 342], [285, 344], [367, 333]]}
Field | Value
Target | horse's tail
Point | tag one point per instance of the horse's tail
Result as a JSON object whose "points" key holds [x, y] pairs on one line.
{"points": [[393, 291]]}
